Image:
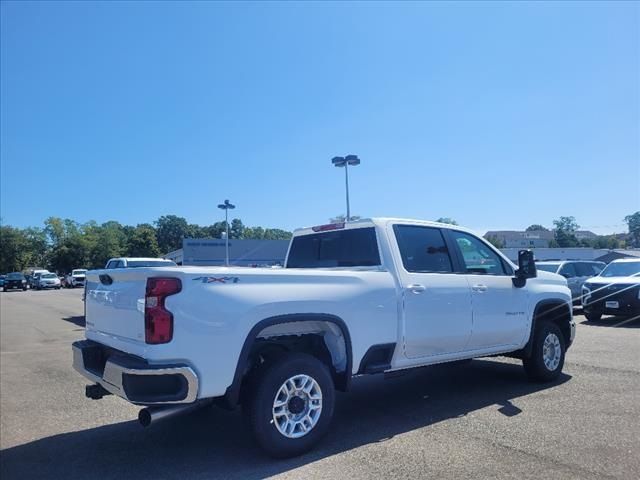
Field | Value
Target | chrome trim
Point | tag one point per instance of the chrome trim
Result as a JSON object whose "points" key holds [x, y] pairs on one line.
{"points": [[111, 379]]}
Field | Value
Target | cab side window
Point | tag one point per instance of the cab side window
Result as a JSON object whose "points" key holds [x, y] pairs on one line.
{"points": [[478, 258], [423, 249]]}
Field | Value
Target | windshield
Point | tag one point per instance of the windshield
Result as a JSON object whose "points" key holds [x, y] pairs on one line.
{"points": [[622, 269], [548, 267], [48, 275], [150, 263], [78, 272], [15, 276]]}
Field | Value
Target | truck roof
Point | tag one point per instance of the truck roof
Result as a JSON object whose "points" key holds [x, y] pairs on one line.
{"points": [[375, 221]]}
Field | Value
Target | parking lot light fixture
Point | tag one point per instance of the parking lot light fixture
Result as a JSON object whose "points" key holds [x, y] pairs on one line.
{"points": [[226, 206], [352, 160]]}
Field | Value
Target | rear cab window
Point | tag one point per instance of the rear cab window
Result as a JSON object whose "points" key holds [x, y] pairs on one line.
{"points": [[354, 247]]}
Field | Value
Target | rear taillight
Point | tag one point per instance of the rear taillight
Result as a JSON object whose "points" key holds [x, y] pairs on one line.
{"points": [[158, 321]]}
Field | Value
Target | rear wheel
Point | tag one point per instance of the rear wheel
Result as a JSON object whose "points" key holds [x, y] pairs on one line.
{"points": [[290, 404], [547, 356]]}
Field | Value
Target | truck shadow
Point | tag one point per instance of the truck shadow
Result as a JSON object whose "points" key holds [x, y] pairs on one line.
{"points": [[76, 320], [212, 443]]}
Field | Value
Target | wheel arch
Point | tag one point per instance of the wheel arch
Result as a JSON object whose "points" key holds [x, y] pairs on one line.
{"points": [[343, 380], [555, 310]]}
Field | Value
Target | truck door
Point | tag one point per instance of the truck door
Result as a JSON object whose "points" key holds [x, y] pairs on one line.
{"points": [[499, 309], [437, 302]]}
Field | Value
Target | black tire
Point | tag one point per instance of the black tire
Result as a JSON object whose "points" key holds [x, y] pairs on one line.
{"points": [[535, 366], [266, 383], [24, 289], [593, 316], [4, 289]]}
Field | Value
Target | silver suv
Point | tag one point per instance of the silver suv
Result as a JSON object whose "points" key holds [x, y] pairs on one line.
{"points": [[575, 271]]}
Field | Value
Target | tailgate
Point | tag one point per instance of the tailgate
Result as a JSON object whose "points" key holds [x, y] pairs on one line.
{"points": [[114, 302]]}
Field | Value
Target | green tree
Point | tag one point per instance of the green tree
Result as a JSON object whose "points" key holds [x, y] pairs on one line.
{"points": [[236, 229], [171, 229], [536, 228], [564, 233], [13, 249], [276, 234], [106, 241], [143, 242], [447, 220], [254, 233], [633, 223]]}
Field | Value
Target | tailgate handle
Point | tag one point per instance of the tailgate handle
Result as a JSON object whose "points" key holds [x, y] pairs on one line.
{"points": [[105, 279]]}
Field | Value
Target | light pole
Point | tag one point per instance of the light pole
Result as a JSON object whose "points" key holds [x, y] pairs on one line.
{"points": [[352, 160], [226, 206]]}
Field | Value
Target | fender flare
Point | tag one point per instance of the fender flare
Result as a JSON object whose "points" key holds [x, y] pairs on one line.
{"points": [[526, 350], [232, 394]]}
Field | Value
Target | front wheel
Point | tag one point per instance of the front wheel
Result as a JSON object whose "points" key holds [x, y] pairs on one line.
{"points": [[290, 404], [547, 356]]}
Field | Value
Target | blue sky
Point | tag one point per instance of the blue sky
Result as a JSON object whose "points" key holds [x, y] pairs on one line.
{"points": [[498, 115]]}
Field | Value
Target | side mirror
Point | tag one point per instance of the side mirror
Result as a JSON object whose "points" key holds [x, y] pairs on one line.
{"points": [[526, 268]]}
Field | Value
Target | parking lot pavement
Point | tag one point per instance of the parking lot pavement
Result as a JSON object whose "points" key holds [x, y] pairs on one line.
{"points": [[480, 420]]}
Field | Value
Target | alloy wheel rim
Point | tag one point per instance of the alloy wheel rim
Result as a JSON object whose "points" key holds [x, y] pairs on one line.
{"points": [[297, 406], [551, 352]]}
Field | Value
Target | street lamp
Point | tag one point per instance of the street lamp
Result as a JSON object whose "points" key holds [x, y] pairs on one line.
{"points": [[226, 206], [352, 160]]}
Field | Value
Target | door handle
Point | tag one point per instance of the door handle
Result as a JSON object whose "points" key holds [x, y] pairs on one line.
{"points": [[479, 288], [416, 288]]}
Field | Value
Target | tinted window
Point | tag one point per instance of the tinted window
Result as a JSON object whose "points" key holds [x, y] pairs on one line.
{"points": [[568, 270], [597, 267], [15, 276], [111, 264], [356, 247], [584, 269], [423, 249], [477, 256], [149, 263]]}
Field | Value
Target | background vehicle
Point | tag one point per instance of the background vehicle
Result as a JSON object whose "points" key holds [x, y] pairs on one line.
{"points": [[575, 271], [14, 281], [34, 278], [75, 278], [131, 262], [616, 291], [48, 280], [2, 277], [365, 297]]}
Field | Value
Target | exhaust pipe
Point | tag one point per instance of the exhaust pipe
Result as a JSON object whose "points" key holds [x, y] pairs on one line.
{"points": [[150, 415]]}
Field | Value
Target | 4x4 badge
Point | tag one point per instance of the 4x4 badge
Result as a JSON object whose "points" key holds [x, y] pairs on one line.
{"points": [[217, 279]]}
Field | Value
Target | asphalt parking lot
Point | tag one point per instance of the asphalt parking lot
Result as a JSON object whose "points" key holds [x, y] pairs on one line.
{"points": [[480, 420]]}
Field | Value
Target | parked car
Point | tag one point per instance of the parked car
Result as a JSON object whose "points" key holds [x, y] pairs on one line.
{"points": [[616, 291], [75, 278], [15, 281], [2, 277], [34, 279], [364, 297], [48, 280], [575, 271], [124, 262]]}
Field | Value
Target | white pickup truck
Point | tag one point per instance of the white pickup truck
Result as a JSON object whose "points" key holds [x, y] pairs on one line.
{"points": [[365, 297]]}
